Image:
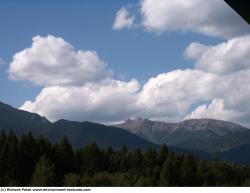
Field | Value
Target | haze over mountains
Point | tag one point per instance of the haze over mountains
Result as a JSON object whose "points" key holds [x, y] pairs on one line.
{"points": [[204, 137]]}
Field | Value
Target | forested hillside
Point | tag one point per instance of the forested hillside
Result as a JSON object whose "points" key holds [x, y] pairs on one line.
{"points": [[29, 161], [78, 133]]}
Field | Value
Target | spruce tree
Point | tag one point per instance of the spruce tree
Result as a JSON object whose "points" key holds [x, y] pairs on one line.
{"points": [[71, 180], [136, 161], [65, 158], [44, 173], [92, 158], [12, 157], [189, 171], [162, 155], [28, 156], [170, 173]]}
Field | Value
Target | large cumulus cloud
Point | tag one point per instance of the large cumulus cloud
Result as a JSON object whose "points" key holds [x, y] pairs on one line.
{"points": [[213, 18], [52, 61], [228, 57], [170, 96], [109, 101]]}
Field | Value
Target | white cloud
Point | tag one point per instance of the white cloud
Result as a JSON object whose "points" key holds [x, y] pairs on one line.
{"points": [[227, 57], [218, 87], [108, 101], [169, 96], [212, 18], [52, 61], [215, 110], [123, 19], [196, 50]]}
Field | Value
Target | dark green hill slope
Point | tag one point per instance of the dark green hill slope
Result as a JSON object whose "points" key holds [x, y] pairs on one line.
{"points": [[78, 133]]}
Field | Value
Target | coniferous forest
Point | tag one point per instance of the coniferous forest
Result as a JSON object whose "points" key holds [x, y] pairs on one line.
{"points": [[34, 161]]}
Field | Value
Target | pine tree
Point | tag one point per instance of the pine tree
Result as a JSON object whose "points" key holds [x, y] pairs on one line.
{"points": [[12, 157], [123, 159], [121, 179], [246, 183], [149, 157], [22, 164], [44, 173], [144, 182], [2, 138], [189, 171], [92, 158], [28, 155], [149, 161], [162, 155], [107, 154], [44, 147], [101, 179], [170, 173], [136, 161], [65, 158], [3, 162], [71, 180]]}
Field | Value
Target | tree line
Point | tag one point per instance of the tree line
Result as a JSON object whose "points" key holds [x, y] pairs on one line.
{"points": [[35, 161]]}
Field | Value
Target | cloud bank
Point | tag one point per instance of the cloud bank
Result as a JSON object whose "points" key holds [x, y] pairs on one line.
{"points": [[109, 101], [78, 85], [213, 18], [169, 96]]}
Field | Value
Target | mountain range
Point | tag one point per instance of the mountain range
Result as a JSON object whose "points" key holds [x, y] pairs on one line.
{"points": [[207, 138], [78, 133], [207, 135]]}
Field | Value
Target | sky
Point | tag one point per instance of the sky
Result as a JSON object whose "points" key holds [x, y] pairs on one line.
{"points": [[107, 61]]}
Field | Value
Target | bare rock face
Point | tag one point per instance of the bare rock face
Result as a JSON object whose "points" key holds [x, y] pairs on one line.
{"points": [[193, 134]]}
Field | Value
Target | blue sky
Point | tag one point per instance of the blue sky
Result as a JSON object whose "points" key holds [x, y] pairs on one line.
{"points": [[152, 76], [87, 25]]}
